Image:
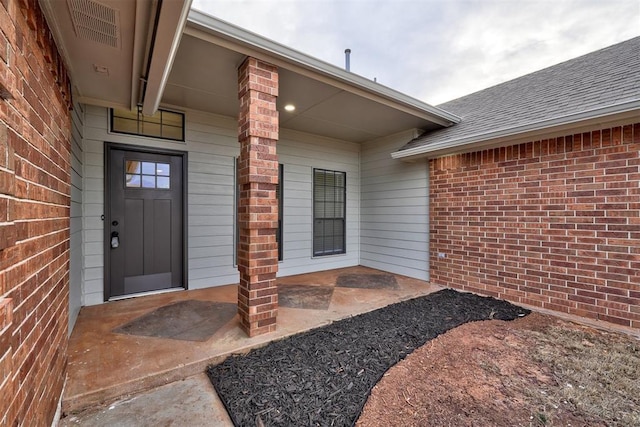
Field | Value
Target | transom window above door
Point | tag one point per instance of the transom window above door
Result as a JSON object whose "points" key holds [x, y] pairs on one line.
{"points": [[163, 124], [140, 174]]}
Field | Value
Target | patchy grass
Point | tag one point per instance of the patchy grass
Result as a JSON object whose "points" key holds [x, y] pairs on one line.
{"points": [[538, 371], [598, 374]]}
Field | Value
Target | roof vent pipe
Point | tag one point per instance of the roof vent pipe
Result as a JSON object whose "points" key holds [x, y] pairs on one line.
{"points": [[347, 59]]}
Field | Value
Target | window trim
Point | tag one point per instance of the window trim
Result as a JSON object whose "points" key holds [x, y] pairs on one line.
{"points": [[344, 215]]}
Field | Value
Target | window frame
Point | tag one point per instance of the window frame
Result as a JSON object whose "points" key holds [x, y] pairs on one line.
{"points": [[280, 197], [324, 251], [140, 120]]}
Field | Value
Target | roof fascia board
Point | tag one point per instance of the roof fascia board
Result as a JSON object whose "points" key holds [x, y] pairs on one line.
{"points": [[515, 135], [171, 24], [235, 38]]}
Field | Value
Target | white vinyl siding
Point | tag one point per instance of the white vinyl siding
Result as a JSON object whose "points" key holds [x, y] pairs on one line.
{"points": [[75, 224], [300, 153], [93, 205], [395, 210], [211, 143], [212, 146]]}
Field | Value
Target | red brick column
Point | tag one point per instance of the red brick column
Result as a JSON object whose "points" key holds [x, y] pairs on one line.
{"points": [[258, 207]]}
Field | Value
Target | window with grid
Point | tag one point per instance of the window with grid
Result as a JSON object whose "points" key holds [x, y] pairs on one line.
{"points": [[163, 124], [147, 175], [329, 212]]}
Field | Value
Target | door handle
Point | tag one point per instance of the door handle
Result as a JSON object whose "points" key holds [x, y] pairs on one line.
{"points": [[115, 240]]}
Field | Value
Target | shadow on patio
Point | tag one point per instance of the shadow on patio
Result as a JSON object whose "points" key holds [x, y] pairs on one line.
{"points": [[132, 345]]}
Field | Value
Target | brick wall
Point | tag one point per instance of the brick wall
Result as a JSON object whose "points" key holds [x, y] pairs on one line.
{"points": [[552, 223], [34, 216]]}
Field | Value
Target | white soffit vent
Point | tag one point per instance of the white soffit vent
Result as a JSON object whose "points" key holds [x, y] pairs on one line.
{"points": [[95, 22]]}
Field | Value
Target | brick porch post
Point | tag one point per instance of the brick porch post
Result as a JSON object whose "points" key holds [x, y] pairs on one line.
{"points": [[258, 207]]}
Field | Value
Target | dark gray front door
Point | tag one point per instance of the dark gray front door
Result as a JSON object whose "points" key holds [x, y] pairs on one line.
{"points": [[144, 222]]}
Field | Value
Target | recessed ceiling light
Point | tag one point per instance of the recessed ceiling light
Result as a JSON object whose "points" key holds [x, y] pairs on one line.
{"points": [[289, 107]]}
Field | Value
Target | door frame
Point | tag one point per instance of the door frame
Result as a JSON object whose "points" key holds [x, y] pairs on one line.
{"points": [[108, 146]]}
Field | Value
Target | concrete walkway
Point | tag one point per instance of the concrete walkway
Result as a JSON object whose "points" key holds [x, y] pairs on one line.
{"points": [[140, 361], [189, 402]]}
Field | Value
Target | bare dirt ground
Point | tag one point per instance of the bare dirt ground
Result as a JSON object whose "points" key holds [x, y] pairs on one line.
{"points": [[534, 371]]}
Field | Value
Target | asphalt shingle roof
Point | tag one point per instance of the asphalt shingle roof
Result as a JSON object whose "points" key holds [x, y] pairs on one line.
{"points": [[596, 80]]}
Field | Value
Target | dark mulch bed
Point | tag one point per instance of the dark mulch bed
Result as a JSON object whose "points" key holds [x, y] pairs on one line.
{"points": [[323, 377]]}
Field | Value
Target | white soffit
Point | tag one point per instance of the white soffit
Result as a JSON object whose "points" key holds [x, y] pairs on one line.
{"points": [[247, 43], [109, 46], [96, 40]]}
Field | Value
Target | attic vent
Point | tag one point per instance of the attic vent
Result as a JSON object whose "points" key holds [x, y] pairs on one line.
{"points": [[95, 22]]}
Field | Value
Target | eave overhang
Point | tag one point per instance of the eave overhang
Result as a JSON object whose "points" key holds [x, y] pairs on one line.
{"points": [[169, 26], [227, 35], [557, 126], [112, 48]]}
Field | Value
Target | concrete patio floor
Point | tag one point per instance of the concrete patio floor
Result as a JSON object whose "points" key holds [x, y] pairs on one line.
{"points": [[115, 352]]}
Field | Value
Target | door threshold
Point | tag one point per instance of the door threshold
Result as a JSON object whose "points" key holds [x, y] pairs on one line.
{"points": [[144, 294]]}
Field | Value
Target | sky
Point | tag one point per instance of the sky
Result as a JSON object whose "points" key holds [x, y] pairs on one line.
{"points": [[437, 50]]}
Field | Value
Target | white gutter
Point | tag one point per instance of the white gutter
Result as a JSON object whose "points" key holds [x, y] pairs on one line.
{"points": [[168, 32], [474, 142], [350, 81]]}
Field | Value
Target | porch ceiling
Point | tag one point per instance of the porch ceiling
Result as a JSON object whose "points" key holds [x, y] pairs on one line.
{"points": [[101, 62], [118, 53], [137, 61], [329, 101]]}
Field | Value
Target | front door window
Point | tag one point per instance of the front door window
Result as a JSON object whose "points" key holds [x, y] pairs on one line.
{"points": [[147, 174]]}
